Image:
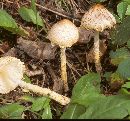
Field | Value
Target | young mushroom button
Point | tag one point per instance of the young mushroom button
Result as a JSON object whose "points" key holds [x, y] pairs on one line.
{"points": [[97, 18], [64, 33]]}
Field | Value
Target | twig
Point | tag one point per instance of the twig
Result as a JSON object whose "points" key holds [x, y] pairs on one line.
{"points": [[60, 14]]}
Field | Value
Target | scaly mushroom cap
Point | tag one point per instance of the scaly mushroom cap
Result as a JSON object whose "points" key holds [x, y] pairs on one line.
{"points": [[64, 33], [11, 73], [98, 18]]}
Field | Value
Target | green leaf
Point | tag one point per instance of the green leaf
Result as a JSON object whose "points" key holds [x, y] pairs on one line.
{"points": [[30, 16], [27, 79], [128, 44], [8, 23], [128, 1], [89, 86], [47, 113], [73, 111], [27, 98], [121, 9], [119, 55], [121, 34], [128, 10], [124, 68], [40, 103], [111, 107], [6, 20], [126, 85], [11, 111]]}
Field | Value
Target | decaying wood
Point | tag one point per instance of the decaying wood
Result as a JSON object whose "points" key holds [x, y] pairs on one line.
{"points": [[37, 50]]}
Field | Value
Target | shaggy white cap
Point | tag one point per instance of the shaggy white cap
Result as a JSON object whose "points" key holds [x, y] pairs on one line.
{"points": [[64, 33], [11, 73], [98, 18]]}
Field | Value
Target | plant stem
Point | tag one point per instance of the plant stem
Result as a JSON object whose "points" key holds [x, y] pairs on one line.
{"points": [[63, 69], [45, 92], [97, 52]]}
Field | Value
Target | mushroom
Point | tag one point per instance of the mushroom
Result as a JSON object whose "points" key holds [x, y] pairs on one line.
{"points": [[64, 33], [97, 18], [11, 75]]}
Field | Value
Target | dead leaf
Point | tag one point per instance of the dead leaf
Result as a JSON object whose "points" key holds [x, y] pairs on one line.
{"points": [[37, 50], [11, 52], [57, 82], [4, 47], [85, 35]]}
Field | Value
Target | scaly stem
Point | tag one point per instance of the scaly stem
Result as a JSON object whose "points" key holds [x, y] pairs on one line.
{"points": [[63, 69], [97, 52], [45, 92]]}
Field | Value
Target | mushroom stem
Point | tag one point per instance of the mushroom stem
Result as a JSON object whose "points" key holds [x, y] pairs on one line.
{"points": [[45, 92], [63, 69], [97, 52]]}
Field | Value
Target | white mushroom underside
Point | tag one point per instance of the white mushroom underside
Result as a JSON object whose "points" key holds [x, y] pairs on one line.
{"points": [[11, 73]]}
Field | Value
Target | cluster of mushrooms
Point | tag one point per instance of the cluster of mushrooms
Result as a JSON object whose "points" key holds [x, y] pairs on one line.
{"points": [[64, 33]]}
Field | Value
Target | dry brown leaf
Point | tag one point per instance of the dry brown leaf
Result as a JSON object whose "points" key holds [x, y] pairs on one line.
{"points": [[85, 35], [37, 50]]}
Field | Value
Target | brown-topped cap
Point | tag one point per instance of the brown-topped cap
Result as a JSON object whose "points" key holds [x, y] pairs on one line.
{"points": [[98, 18]]}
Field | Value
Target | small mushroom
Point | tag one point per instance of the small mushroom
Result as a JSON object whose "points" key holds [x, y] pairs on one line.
{"points": [[97, 18], [64, 33], [11, 75]]}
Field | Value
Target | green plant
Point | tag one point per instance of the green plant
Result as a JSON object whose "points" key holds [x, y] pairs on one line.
{"points": [[93, 104], [8, 23], [40, 107], [31, 14]]}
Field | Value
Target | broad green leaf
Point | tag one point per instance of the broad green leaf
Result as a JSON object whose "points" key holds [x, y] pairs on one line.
{"points": [[8, 23], [73, 111], [124, 68], [121, 34], [111, 107], [119, 55], [87, 89], [121, 9], [30, 16], [40, 103], [128, 10], [128, 44], [128, 1], [47, 113], [126, 85], [11, 111], [6, 20]]}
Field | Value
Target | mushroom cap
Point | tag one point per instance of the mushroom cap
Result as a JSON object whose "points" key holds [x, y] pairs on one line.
{"points": [[11, 73], [64, 33], [98, 18]]}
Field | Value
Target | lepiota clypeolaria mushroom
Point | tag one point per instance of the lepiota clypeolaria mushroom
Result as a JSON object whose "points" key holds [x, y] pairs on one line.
{"points": [[64, 33], [11, 75], [97, 18]]}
